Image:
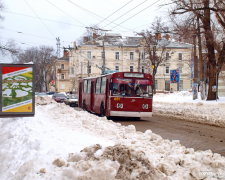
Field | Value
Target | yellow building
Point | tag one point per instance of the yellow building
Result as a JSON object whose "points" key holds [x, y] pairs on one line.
{"points": [[62, 82], [221, 82], [127, 54]]}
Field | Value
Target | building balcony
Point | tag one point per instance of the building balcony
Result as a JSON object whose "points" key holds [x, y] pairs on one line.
{"points": [[67, 79], [62, 70]]}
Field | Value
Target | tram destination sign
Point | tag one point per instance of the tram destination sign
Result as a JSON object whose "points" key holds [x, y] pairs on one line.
{"points": [[135, 75], [17, 90]]}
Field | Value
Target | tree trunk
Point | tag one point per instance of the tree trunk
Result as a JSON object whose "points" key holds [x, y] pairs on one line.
{"points": [[212, 83], [206, 20], [153, 79], [201, 64]]}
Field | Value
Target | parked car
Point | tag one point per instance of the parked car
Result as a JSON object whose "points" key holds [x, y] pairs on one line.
{"points": [[40, 93], [50, 93], [71, 100], [59, 97]]}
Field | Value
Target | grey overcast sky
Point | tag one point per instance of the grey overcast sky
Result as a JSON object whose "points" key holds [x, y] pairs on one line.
{"points": [[38, 22]]}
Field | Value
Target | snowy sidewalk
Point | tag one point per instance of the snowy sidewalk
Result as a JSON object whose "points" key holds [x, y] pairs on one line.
{"points": [[181, 105]]}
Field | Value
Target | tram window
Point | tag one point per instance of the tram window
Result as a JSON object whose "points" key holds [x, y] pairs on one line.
{"points": [[85, 86], [126, 90], [143, 90], [115, 88], [98, 86], [89, 86], [103, 84]]}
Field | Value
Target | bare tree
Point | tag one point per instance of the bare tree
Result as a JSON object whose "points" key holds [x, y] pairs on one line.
{"points": [[154, 47], [205, 10], [183, 28], [187, 28], [74, 87], [8, 48], [43, 60], [1, 8]]}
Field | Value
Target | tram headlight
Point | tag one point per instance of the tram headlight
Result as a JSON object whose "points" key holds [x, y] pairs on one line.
{"points": [[119, 105], [145, 106]]}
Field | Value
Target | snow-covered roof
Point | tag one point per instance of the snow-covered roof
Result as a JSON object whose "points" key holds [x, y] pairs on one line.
{"points": [[118, 40], [176, 44]]}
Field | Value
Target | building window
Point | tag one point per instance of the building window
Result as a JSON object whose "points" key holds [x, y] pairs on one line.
{"points": [[89, 69], [131, 55], [62, 76], [142, 69], [167, 56], [117, 68], [117, 55], [142, 55], [62, 86], [131, 68], [180, 69], [89, 54], [181, 86], [167, 69], [71, 70], [180, 56], [62, 66], [167, 85]]}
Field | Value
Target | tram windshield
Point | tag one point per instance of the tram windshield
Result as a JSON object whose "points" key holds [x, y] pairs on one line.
{"points": [[131, 87]]}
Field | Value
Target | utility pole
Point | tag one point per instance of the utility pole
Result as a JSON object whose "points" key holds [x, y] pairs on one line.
{"points": [[139, 61], [88, 68], [103, 31], [103, 56], [58, 47]]}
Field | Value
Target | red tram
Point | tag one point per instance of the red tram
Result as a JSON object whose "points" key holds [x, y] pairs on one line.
{"points": [[125, 94]]}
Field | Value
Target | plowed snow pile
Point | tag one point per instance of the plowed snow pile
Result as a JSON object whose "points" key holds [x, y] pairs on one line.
{"points": [[60, 143]]}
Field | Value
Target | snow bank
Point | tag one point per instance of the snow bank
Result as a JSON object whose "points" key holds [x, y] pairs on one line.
{"points": [[43, 100], [181, 105], [61, 143]]}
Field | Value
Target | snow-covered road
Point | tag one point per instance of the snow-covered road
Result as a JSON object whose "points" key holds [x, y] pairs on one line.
{"points": [[190, 134]]}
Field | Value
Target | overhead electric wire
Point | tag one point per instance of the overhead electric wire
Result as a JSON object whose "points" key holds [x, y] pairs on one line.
{"points": [[115, 11], [19, 42], [39, 19], [125, 13], [86, 10], [136, 14], [45, 19], [27, 34], [65, 12]]}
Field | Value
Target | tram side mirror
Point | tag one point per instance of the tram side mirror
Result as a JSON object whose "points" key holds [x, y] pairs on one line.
{"points": [[111, 86]]}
